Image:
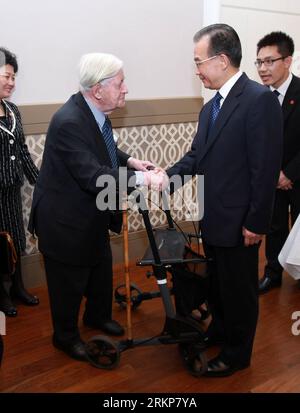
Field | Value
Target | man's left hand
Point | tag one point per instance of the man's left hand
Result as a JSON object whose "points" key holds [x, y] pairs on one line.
{"points": [[138, 165], [284, 182], [250, 238]]}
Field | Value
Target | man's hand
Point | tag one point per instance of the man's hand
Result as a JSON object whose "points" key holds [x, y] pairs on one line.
{"points": [[138, 165], [284, 183], [156, 179], [250, 238]]}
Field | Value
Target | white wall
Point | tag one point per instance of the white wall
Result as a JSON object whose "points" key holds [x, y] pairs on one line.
{"points": [[211, 15], [153, 37]]}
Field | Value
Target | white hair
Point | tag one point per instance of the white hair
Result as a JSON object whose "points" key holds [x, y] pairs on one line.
{"points": [[96, 67]]}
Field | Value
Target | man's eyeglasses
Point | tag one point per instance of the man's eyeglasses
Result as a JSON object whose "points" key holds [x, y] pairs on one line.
{"points": [[268, 62], [198, 63]]}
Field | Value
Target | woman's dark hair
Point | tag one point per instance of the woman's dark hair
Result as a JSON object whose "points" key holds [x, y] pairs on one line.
{"points": [[283, 42], [223, 39], [8, 58]]}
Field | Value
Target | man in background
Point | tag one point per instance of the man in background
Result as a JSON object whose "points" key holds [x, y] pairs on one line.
{"points": [[274, 59]]}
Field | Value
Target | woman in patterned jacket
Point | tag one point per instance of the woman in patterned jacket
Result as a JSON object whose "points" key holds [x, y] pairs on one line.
{"points": [[15, 161]]}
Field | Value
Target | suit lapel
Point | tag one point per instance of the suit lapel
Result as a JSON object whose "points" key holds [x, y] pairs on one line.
{"points": [[291, 99], [229, 106], [204, 125], [103, 152]]}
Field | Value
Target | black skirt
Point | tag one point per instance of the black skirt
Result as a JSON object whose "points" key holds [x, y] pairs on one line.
{"points": [[11, 216]]}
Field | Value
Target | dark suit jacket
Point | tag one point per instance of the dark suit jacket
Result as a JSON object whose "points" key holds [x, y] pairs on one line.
{"points": [[291, 143], [240, 162], [64, 215]]}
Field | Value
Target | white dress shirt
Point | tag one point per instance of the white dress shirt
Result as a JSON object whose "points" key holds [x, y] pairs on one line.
{"points": [[283, 88], [226, 88]]}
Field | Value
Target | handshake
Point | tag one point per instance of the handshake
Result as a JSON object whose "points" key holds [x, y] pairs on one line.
{"points": [[153, 177], [156, 178]]}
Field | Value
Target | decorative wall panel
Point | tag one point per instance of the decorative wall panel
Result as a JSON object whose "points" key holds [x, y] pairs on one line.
{"points": [[161, 144]]}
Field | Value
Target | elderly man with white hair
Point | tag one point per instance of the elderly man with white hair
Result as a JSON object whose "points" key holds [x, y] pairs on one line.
{"points": [[73, 233]]}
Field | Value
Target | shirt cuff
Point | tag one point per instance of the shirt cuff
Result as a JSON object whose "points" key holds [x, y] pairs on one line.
{"points": [[139, 178]]}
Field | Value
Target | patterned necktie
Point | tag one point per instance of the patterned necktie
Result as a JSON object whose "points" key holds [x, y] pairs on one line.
{"points": [[215, 109], [110, 143]]}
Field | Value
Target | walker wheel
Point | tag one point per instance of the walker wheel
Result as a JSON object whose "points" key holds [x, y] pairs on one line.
{"points": [[135, 294], [194, 359], [102, 352]]}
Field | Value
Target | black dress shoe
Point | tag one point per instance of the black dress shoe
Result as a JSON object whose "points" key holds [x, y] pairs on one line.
{"points": [[267, 283], [25, 297], [111, 327], [75, 350], [9, 311], [217, 368], [18, 289], [7, 306]]}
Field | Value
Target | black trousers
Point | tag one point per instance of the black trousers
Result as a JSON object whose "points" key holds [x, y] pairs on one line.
{"points": [[280, 227], [67, 285], [233, 299]]}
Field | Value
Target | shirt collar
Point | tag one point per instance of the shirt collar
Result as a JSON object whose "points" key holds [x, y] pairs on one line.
{"points": [[98, 115], [284, 87], [225, 89]]}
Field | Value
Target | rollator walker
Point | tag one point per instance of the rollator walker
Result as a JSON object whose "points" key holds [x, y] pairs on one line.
{"points": [[168, 253]]}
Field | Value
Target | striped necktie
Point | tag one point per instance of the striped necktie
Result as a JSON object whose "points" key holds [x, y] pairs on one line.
{"points": [[215, 109], [110, 143]]}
